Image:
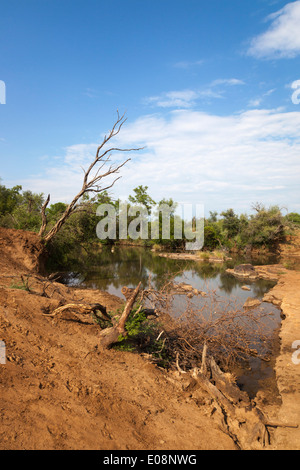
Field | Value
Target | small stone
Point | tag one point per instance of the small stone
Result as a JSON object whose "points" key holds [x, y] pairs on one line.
{"points": [[251, 303]]}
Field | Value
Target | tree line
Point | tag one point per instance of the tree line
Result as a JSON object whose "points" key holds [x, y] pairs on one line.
{"points": [[23, 210]]}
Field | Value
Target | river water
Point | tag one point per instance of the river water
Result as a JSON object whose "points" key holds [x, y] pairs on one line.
{"points": [[127, 266]]}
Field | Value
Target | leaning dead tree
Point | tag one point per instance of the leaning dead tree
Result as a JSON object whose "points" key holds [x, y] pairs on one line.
{"points": [[110, 336], [93, 179]]}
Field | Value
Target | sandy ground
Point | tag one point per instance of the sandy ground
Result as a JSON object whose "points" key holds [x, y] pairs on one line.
{"points": [[286, 294], [58, 391]]}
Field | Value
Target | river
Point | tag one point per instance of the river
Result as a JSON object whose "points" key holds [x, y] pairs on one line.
{"points": [[112, 269]]}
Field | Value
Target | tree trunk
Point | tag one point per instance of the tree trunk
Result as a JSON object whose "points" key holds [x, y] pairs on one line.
{"points": [[110, 336]]}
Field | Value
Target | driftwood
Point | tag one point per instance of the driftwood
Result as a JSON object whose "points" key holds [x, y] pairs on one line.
{"points": [[127, 292], [236, 414], [110, 336], [81, 309]]}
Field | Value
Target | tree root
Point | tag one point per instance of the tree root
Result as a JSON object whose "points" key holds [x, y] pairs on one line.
{"points": [[237, 415]]}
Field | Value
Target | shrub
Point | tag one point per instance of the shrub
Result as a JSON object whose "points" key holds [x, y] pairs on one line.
{"points": [[210, 237], [293, 217]]}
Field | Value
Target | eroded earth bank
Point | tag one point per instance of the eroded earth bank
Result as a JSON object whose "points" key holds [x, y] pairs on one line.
{"points": [[60, 391]]}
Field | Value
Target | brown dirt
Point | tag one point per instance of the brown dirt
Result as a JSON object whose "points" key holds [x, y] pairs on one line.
{"points": [[286, 294], [59, 391]]}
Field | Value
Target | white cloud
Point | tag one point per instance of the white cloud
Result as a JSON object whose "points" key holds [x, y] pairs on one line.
{"points": [[282, 38], [227, 81], [173, 99], [229, 161], [256, 102], [195, 157], [185, 64], [80, 154], [90, 92], [188, 98]]}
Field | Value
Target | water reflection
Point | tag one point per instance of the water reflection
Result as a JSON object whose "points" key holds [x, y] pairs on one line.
{"points": [[110, 271], [127, 266]]}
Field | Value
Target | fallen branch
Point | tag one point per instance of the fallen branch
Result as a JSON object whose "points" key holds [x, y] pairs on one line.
{"points": [[178, 366], [110, 336], [274, 424], [237, 416], [81, 309]]}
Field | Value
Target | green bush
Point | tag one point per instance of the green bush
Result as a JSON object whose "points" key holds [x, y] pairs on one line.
{"points": [[142, 334], [266, 227], [294, 218], [210, 237]]}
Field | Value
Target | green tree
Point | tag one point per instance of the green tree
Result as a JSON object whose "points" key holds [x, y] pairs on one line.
{"points": [[231, 222], [20, 210], [55, 211], [173, 221], [213, 217], [142, 198], [293, 217], [265, 227], [27, 213], [210, 237], [9, 198]]}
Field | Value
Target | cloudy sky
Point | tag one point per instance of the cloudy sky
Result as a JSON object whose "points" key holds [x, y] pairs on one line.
{"points": [[211, 89]]}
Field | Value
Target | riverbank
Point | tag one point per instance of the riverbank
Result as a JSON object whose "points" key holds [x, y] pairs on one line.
{"points": [[286, 295], [60, 392], [57, 388], [194, 257]]}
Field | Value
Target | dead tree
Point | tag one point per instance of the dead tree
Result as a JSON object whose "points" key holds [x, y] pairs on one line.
{"points": [[44, 218], [110, 336], [91, 182]]}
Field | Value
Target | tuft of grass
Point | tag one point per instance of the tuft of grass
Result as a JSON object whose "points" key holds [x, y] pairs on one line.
{"points": [[291, 264], [156, 247], [218, 254], [23, 286], [203, 255]]}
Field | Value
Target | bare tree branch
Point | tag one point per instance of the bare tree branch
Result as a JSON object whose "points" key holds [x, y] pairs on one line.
{"points": [[91, 183]]}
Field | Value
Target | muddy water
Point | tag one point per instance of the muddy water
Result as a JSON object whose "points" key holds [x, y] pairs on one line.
{"points": [[111, 270]]}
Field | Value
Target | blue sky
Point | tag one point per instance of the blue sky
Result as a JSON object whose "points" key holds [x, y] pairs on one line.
{"points": [[209, 88]]}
